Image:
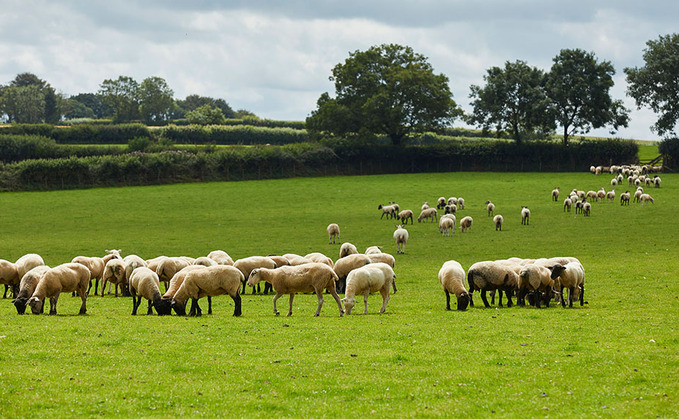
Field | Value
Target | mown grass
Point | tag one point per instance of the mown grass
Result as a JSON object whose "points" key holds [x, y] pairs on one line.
{"points": [[616, 356]]}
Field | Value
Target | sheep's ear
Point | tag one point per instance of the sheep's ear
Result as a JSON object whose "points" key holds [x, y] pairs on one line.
{"points": [[35, 299]]}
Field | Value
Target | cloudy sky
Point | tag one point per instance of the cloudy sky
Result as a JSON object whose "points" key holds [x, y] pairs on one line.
{"points": [[273, 57]]}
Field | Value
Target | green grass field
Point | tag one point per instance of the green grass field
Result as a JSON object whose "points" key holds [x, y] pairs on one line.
{"points": [[616, 356]]}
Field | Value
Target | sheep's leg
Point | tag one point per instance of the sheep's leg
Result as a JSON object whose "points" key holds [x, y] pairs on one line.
{"points": [[333, 292], [53, 305], [88, 288], [483, 297], [109, 288], [365, 303], [236, 305], [209, 304], [267, 287], [276, 297], [447, 300], [6, 289], [83, 297], [563, 301], [508, 294], [243, 292], [471, 294], [393, 284], [149, 311], [499, 297], [385, 300], [582, 296], [96, 285], [520, 298], [292, 297], [571, 292], [492, 296], [134, 302], [103, 287]]}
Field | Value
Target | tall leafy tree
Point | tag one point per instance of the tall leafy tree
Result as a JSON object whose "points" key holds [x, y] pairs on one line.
{"points": [[656, 84], [95, 102], [513, 100], [72, 108], [51, 112], [578, 88], [388, 89], [122, 95], [23, 104], [156, 100], [193, 102], [206, 115]]}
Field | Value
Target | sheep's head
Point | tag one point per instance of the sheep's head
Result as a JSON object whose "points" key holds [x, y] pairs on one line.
{"points": [[463, 301], [254, 277], [349, 304], [179, 308], [20, 304], [557, 270], [163, 306], [36, 305]]}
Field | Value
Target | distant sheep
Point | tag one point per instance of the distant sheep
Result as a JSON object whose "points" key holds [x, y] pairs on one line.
{"points": [[624, 198], [447, 226], [460, 203], [657, 181], [373, 249], [567, 203], [387, 210], [347, 249], [368, 279], [498, 220], [452, 201], [586, 209], [441, 203], [450, 209], [525, 216], [555, 194], [424, 206], [610, 195], [466, 224], [429, 213], [601, 195], [401, 238], [646, 198], [452, 276], [404, 215], [333, 232], [68, 277], [637, 195], [490, 207]]}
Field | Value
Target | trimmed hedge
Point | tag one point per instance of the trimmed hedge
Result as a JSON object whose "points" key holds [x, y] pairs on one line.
{"points": [[81, 133], [232, 135], [15, 148]]}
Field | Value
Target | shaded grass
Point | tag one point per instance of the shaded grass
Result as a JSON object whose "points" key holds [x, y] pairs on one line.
{"points": [[615, 356]]}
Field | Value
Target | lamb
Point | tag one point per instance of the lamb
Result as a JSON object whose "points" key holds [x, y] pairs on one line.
{"points": [[429, 213], [610, 196], [368, 279], [333, 232], [567, 203], [319, 258], [383, 258], [170, 266], [67, 277], [525, 216], [347, 249], [490, 207], [586, 208], [27, 286], [312, 277], [535, 281], [405, 214], [441, 203], [347, 264], [447, 226], [466, 223], [221, 257], [637, 195], [246, 265], [492, 275], [451, 277], [210, 281], [397, 208], [145, 283], [387, 210], [656, 181], [96, 267], [624, 198], [9, 276], [555, 194], [570, 276], [114, 273], [498, 220], [644, 198], [460, 203], [401, 238]]}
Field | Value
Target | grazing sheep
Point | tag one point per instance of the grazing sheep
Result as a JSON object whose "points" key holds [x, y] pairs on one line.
{"points": [[657, 181], [96, 267], [610, 196], [405, 214], [210, 281], [165, 304], [572, 277], [441, 203], [451, 277], [170, 266], [333, 232], [114, 273], [429, 213], [578, 206], [383, 258], [535, 281], [204, 261], [68, 277], [601, 195], [644, 198], [597, 170], [221, 257], [586, 209], [387, 210], [152, 264], [425, 206], [567, 203], [492, 275], [295, 259], [624, 198], [490, 207], [447, 226], [498, 220], [133, 262], [460, 203], [397, 208], [9, 276], [591, 195], [466, 224], [28, 262], [347, 249], [279, 261], [452, 201], [27, 285], [246, 265], [145, 283], [368, 279], [555, 194], [637, 195], [614, 182], [450, 209], [312, 277], [401, 238], [373, 249], [592, 169], [318, 257], [525, 216], [347, 264]]}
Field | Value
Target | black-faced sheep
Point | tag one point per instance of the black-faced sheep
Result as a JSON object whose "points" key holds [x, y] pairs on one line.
{"points": [[624, 198], [347, 249], [144, 283], [68, 277], [498, 220], [387, 210], [657, 181], [610, 196], [368, 279], [450, 209], [567, 203], [451, 277], [525, 216], [586, 209], [165, 304], [447, 226], [312, 277], [27, 285], [404, 215], [333, 232], [347, 264], [646, 198], [490, 207], [401, 238], [572, 277], [429, 213], [246, 265], [441, 203], [492, 275], [535, 281], [466, 224], [555, 194], [210, 281]]}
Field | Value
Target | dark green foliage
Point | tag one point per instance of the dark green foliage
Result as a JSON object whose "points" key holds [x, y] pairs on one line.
{"points": [[83, 133], [230, 135], [15, 148], [669, 147]]}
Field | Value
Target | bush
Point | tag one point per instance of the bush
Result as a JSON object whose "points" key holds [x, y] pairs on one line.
{"points": [[669, 147], [82, 133], [232, 135]]}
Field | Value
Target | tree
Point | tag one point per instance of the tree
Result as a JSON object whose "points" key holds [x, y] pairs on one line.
{"points": [[193, 102], [578, 88], [156, 100], [388, 89], [122, 95], [72, 109], [656, 84], [513, 99], [51, 112], [206, 115], [95, 102], [24, 105]]}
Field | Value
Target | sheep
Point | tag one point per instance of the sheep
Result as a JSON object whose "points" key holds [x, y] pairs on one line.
{"points": [[490, 207], [373, 249], [466, 223], [492, 275], [114, 273], [619, 178], [405, 214], [637, 195], [570, 276], [133, 262], [383, 258], [425, 205], [145, 283], [592, 169], [152, 264], [204, 261], [347, 249], [312, 277], [209, 281], [567, 203], [610, 196], [319, 258], [441, 203], [165, 303], [170, 266], [368, 279], [221, 257], [246, 265], [578, 206], [592, 195], [586, 209], [401, 238], [447, 226], [624, 198], [27, 286], [597, 170], [498, 220], [397, 208], [555, 194], [460, 203], [333, 232], [452, 201], [430, 214], [67, 277], [535, 281], [601, 195], [279, 261], [9, 276], [387, 210], [450, 209], [614, 182], [296, 259], [451, 277], [347, 264], [644, 198], [525, 216], [28, 262], [656, 181], [96, 267]]}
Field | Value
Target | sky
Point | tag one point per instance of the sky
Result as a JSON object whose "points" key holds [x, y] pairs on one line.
{"points": [[274, 57]]}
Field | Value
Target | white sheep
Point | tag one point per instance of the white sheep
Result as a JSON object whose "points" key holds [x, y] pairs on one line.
{"points": [[145, 283], [466, 224], [312, 277], [490, 207], [209, 281], [451, 277], [601, 195], [429, 213], [401, 238], [637, 195], [373, 249], [248, 264], [586, 209], [170, 266], [279, 261], [492, 275], [68, 277], [347, 264], [610, 196], [657, 181], [498, 220], [204, 261], [425, 205], [368, 279], [347, 249], [333, 232], [452, 201], [460, 203], [387, 210], [27, 285], [28, 262], [567, 204], [447, 226], [624, 198], [535, 281], [383, 258], [114, 273], [592, 195], [9, 276], [525, 216], [572, 277], [450, 209], [319, 257], [614, 182], [404, 215], [221, 257], [96, 267], [644, 198], [555, 194]]}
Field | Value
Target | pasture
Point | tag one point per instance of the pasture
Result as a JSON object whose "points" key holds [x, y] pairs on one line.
{"points": [[616, 356]]}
